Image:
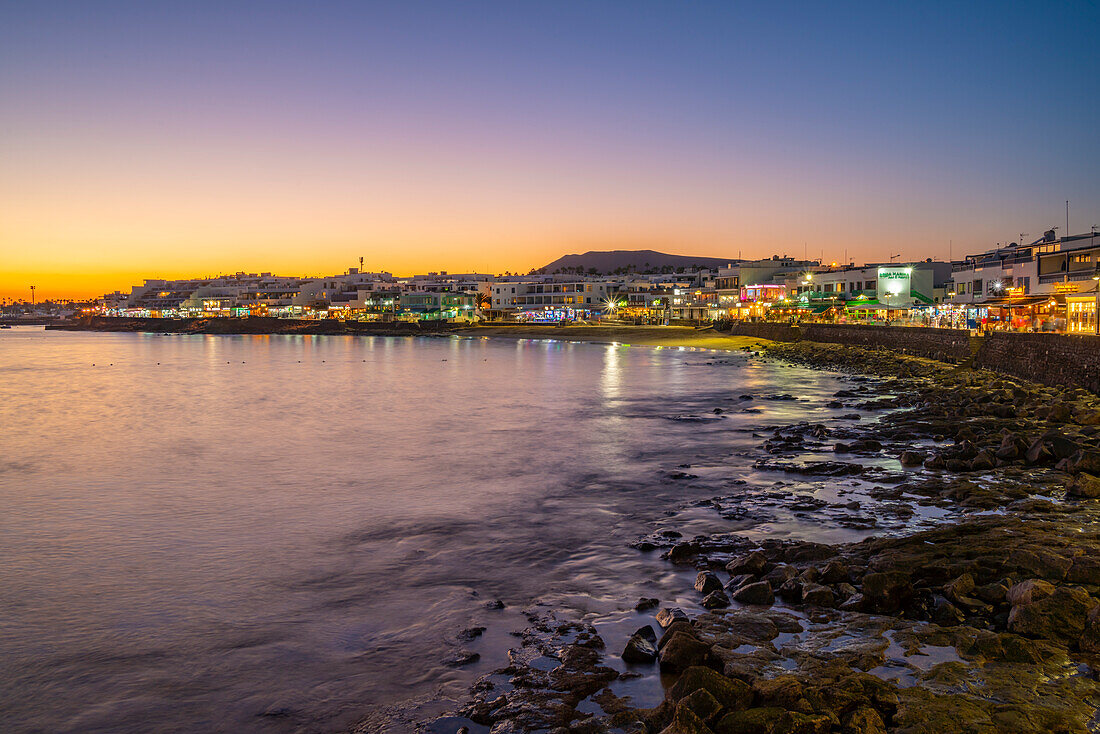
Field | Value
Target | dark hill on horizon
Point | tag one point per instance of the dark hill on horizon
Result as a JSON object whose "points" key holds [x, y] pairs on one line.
{"points": [[639, 261]]}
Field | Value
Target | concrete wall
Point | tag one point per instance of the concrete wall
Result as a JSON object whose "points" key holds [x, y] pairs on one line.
{"points": [[945, 345], [1052, 359]]}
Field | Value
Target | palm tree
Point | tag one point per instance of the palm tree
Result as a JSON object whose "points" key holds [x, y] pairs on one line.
{"points": [[483, 302]]}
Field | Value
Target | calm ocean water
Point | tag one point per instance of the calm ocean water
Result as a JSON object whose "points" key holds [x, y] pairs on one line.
{"points": [[212, 533]]}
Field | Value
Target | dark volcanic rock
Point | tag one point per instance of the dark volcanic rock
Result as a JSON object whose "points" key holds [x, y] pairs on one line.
{"points": [[886, 592], [641, 648], [757, 593], [754, 563], [715, 600], [682, 651]]}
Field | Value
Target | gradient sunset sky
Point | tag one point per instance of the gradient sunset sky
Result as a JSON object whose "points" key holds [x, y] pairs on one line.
{"points": [[154, 139]]}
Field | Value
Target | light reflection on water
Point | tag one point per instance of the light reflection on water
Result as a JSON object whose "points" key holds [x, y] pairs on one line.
{"points": [[287, 533]]}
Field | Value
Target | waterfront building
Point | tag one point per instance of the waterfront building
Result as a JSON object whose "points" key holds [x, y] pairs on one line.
{"points": [[748, 289], [553, 297], [1047, 285]]}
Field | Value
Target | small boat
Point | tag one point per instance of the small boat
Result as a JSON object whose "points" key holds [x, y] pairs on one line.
{"points": [[5, 326]]}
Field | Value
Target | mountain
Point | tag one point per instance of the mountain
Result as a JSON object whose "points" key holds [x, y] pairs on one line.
{"points": [[639, 261]]}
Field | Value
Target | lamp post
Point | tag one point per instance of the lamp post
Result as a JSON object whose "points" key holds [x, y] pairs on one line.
{"points": [[32, 297]]}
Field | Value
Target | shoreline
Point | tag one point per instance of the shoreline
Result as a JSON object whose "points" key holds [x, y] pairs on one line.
{"points": [[988, 622], [654, 336]]}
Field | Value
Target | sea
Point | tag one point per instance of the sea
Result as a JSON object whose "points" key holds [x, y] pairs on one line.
{"points": [[308, 533]]}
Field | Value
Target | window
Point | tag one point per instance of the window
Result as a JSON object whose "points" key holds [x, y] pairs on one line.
{"points": [[1082, 258]]}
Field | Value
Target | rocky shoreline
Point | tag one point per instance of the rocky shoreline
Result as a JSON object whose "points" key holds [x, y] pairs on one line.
{"points": [[989, 623]]}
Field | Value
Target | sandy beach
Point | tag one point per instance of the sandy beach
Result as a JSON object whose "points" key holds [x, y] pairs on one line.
{"points": [[652, 336]]}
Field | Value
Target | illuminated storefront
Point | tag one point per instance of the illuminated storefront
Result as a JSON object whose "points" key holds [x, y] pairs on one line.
{"points": [[1081, 314]]}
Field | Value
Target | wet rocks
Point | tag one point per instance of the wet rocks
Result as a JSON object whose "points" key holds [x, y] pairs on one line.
{"points": [[754, 563], [818, 595], [755, 593], [729, 693], [461, 658], [680, 649], [706, 582], [641, 648], [715, 600], [1084, 485], [1061, 616], [667, 616], [912, 458], [886, 592]]}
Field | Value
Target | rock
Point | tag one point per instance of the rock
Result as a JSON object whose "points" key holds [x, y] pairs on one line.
{"points": [[1040, 563], [1085, 570], [982, 462], [736, 582], [1084, 461], [683, 552], [461, 658], [886, 592], [1037, 452], [703, 705], [641, 648], [756, 626], [716, 600], [935, 461], [686, 721], [960, 587], [757, 593], [1029, 591], [751, 721], [753, 563], [834, 572], [680, 625], [783, 690], [780, 575], [646, 603], [864, 720], [911, 458], [994, 593], [1084, 485], [945, 613], [791, 590], [853, 603], [667, 616], [1009, 448], [729, 692], [1090, 638], [682, 651], [470, 633], [706, 582], [818, 595], [1061, 616]]}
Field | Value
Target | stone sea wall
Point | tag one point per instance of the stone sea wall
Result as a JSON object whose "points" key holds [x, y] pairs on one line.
{"points": [[946, 345], [1050, 359]]}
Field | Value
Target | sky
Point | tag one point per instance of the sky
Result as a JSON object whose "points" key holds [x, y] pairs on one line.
{"points": [[147, 140]]}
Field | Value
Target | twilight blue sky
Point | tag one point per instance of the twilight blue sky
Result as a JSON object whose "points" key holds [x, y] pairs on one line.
{"points": [[165, 138]]}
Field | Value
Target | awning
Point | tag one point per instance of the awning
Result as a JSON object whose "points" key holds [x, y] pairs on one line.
{"points": [[1022, 301]]}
